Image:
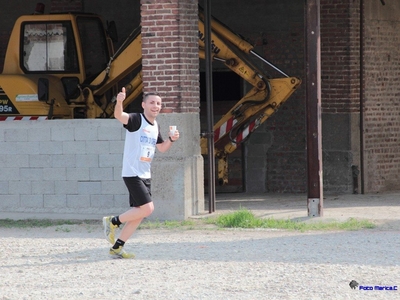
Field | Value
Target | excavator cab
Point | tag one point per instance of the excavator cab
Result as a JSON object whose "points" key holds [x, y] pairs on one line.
{"points": [[67, 50]]}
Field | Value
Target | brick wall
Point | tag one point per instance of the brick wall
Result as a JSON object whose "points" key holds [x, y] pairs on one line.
{"points": [[382, 97], [170, 53], [276, 160], [340, 43], [340, 56], [66, 5], [340, 90]]}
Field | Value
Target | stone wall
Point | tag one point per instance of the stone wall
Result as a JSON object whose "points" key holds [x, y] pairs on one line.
{"points": [[72, 169]]}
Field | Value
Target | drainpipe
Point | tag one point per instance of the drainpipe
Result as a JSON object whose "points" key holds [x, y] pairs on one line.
{"points": [[362, 95]]}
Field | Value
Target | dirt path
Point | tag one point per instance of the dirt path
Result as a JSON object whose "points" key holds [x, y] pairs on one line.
{"points": [[71, 262]]}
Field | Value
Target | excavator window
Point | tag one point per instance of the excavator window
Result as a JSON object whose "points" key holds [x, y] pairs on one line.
{"points": [[94, 46], [48, 46]]}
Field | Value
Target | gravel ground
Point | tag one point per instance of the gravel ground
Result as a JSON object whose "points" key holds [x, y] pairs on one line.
{"points": [[72, 262]]}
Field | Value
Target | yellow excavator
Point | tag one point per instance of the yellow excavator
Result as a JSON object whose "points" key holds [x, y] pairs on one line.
{"points": [[63, 66]]}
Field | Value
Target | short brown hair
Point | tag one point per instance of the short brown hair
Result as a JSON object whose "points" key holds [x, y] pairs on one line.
{"points": [[150, 94]]}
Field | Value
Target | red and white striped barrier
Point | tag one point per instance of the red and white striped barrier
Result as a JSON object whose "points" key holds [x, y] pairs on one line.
{"points": [[20, 118], [224, 128], [246, 131]]}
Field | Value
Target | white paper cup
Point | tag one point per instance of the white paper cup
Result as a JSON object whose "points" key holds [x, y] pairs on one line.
{"points": [[172, 130]]}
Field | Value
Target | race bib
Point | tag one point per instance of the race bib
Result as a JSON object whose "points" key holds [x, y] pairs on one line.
{"points": [[147, 153]]}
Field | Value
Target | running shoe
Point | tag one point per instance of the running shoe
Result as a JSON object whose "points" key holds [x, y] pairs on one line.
{"points": [[120, 253], [109, 229]]}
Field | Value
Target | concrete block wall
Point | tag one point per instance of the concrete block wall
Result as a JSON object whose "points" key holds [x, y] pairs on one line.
{"points": [[63, 169]]}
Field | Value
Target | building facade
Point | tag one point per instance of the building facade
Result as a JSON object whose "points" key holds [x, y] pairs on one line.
{"points": [[360, 95]]}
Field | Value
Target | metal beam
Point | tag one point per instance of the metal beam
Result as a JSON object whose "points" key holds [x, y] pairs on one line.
{"points": [[210, 111], [313, 110]]}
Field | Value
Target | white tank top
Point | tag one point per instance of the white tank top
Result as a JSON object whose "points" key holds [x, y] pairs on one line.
{"points": [[139, 150]]}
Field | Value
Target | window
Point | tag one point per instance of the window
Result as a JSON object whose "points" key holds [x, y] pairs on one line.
{"points": [[49, 47], [94, 46]]}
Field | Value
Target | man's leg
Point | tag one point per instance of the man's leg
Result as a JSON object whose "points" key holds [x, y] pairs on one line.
{"points": [[132, 219]]}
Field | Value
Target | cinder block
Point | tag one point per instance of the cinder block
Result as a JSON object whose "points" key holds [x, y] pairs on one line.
{"points": [[29, 148], [42, 187], [73, 147], [86, 134], [110, 133], [97, 147], [87, 160], [62, 133], [79, 174], [14, 160], [15, 135], [53, 174], [20, 148], [67, 187], [110, 160], [55, 201], [78, 201], [4, 187], [117, 173], [39, 134], [66, 160], [31, 173], [101, 201], [101, 173], [51, 147], [8, 201], [89, 187], [117, 147], [8, 148], [31, 201], [113, 187], [10, 174], [122, 200], [20, 187], [40, 160]]}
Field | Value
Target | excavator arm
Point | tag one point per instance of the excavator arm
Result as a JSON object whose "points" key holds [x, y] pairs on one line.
{"points": [[127, 59], [265, 97]]}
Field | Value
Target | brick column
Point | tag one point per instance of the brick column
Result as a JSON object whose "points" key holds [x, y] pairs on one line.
{"points": [[170, 53], [170, 66]]}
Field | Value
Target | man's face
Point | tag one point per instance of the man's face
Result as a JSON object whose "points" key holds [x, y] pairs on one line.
{"points": [[151, 106]]}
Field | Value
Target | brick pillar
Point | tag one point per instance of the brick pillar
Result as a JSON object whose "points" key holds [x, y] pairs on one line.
{"points": [[170, 66], [170, 53]]}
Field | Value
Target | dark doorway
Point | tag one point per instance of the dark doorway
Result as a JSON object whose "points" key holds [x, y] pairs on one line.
{"points": [[227, 91]]}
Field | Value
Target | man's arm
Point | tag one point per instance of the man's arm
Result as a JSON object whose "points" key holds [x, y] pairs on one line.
{"points": [[164, 146], [119, 113]]}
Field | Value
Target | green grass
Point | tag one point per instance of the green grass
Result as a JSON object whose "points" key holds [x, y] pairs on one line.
{"points": [[187, 224], [8, 223], [242, 218], [246, 219]]}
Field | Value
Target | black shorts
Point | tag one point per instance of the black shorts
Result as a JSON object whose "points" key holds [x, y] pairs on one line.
{"points": [[139, 190]]}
